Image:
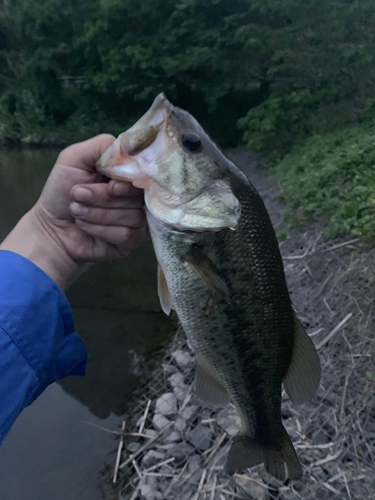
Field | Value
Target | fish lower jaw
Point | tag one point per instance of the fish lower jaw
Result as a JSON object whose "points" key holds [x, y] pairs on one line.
{"points": [[166, 226]]}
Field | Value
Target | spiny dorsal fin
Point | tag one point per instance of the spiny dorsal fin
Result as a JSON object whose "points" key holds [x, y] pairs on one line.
{"points": [[163, 292], [207, 271], [208, 388], [303, 376]]}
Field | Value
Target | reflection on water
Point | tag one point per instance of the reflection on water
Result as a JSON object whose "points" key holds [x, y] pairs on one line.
{"points": [[118, 315]]}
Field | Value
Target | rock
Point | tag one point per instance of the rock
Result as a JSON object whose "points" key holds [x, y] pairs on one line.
{"points": [[180, 424], [182, 358], [160, 421], [189, 413], [181, 453], [166, 405], [151, 481], [180, 392], [253, 489], [148, 493], [179, 387], [150, 433], [173, 437], [229, 420], [169, 369], [133, 447], [195, 464], [200, 437], [164, 448], [151, 458], [177, 380]]}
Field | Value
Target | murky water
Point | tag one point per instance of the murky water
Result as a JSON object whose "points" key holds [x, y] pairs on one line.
{"points": [[52, 451]]}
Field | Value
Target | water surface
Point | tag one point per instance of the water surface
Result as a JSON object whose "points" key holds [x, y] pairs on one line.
{"points": [[52, 452]]}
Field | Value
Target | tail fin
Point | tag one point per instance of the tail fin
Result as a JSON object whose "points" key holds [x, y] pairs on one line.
{"points": [[245, 453]]}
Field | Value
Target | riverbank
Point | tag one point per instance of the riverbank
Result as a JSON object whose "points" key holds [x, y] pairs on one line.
{"points": [[175, 447]]}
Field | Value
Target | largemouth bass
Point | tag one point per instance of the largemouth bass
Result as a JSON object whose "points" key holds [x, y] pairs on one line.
{"points": [[220, 269]]}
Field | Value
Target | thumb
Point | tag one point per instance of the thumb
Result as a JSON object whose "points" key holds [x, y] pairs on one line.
{"points": [[85, 154]]}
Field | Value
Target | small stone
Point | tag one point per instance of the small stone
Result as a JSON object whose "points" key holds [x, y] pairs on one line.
{"points": [[195, 464], [177, 380], [133, 447], [251, 488], [173, 437], [182, 358], [164, 448], [180, 392], [151, 481], [189, 412], [160, 421], [179, 387], [201, 437], [169, 369], [180, 424], [181, 452], [166, 405], [148, 493], [150, 433], [229, 420], [151, 458]]}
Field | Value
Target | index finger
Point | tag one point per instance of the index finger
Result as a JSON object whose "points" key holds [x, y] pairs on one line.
{"points": [[85, 154]]}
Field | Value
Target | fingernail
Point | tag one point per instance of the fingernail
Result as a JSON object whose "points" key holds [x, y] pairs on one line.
{"points": [[78, 209], [82, 194]]}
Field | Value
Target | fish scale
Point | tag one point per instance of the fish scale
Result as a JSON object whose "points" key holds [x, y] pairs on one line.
{"points": [[256, 315]]}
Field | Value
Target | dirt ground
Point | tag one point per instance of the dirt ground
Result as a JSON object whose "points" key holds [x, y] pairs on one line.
{"points": [[332, 289]]}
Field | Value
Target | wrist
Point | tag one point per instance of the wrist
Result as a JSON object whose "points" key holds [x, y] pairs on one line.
{"points": [[34, 239]]}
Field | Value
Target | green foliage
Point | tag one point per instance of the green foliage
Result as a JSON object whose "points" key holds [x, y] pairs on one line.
{"points": [[318, 60], [287, 68], [277, 119], [332, 176], [282, 235]]}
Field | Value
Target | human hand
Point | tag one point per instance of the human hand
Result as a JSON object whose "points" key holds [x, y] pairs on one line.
{"points": [[78, 217]]}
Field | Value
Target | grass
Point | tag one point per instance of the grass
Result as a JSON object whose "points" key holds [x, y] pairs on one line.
{"points": [[333, 177]]}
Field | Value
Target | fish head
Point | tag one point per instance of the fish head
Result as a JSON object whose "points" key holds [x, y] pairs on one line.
{"points": [[184, 174]]}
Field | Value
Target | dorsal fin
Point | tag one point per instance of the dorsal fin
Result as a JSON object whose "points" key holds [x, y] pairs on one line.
{"points": [[303, 376]]}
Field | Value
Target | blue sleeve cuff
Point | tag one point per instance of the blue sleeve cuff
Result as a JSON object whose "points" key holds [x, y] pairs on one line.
{"points": [[36, 316]]}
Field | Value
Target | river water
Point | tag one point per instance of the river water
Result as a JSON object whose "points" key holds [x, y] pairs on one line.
{"points": [[53, 451]]}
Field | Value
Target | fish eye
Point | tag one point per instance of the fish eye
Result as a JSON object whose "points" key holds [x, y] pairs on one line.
{"points": [[191, 142]]}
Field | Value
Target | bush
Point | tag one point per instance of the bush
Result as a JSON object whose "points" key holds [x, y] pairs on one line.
{"points": [[332, 176]]}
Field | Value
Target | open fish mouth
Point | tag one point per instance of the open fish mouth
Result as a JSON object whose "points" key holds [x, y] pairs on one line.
{"points": [[130, 157], [183, 187]]}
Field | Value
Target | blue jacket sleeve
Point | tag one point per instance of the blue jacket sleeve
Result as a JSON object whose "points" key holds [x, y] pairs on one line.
{"points": [[38, 341]]}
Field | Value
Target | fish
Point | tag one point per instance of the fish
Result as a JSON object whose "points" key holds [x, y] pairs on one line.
{"points": [[220, 269]]}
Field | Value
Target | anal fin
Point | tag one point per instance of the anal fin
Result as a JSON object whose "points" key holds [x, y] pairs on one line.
{"points": [[208, 388], [303, 376], [163, 292]]}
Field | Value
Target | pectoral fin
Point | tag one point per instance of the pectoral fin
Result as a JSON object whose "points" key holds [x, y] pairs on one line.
{"points": [[163, 292], [208, 388], [208, 272], [303, 376]]}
